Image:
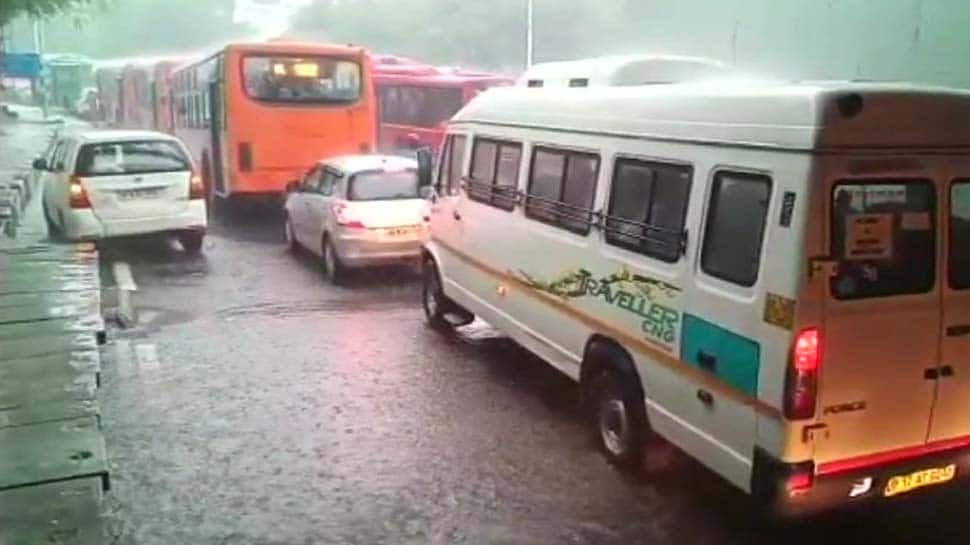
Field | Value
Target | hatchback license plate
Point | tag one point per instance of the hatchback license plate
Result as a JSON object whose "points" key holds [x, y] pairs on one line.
{"points": [[131, 194], [397, 233], [901, 484]]}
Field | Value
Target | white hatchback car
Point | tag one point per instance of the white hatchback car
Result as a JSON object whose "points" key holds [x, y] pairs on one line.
{"points": [[358, 211], [100, 184]]}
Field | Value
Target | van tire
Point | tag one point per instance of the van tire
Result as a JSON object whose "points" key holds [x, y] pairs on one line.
{"points": [[441, 312], [618, 419], [191, 241]]}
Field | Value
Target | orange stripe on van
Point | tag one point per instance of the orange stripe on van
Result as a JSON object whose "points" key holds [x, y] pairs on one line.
{"points": [[656, 352]]}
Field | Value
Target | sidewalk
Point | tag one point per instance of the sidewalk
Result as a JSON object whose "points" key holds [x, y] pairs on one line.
{"points": [[53, 463]]}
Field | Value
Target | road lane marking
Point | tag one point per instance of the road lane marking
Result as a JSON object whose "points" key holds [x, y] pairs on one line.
{"points": [[147, 357], [123, 277]]}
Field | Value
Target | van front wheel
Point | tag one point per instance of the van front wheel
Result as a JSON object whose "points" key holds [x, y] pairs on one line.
{"points": [[619, 420]]}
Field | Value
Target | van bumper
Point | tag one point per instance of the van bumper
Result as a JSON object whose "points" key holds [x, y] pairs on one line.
{"points": [[833, 488]]}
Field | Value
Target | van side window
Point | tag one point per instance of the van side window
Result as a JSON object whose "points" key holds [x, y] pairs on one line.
{"points": [[735, 227], [495, 173], [960, 235], [444, 166], [648, 207], [456, 162], [883, 238], [562, 185]]}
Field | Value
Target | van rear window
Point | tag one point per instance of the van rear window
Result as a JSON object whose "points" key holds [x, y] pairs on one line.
{"points": [[883, 238], [960, 235]]}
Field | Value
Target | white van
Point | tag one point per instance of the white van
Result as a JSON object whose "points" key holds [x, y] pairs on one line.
{"points": [[623, 70], [776, 279]]}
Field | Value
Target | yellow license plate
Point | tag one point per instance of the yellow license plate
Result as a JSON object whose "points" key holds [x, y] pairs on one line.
{"points": [[902, 484]]}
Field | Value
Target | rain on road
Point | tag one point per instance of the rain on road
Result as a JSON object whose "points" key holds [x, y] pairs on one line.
{"points": [[254, 403]]}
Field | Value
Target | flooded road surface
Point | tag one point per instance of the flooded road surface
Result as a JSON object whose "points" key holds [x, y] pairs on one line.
{"points": [[254, 403]]}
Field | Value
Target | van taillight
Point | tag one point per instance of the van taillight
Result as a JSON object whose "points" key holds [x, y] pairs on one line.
{"points": [[801, 385], [245, 156], [78, 197], [196, 187]]}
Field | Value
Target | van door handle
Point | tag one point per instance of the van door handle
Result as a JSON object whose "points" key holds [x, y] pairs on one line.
{"points": [[456, 214], [705, 397], [959, 330], [707, 360]]}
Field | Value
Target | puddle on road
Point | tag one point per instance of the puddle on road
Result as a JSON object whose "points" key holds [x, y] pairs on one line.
{"points": [[301, 308]]}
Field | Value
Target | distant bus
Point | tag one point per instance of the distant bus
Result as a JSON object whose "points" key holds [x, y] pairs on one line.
{"points": [[163, 115], [417, 100], [258, 115], [108, 82], [135, 97], [69, 76]]}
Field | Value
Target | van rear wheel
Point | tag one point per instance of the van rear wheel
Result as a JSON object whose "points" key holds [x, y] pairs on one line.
{"points": [[618, 420]]}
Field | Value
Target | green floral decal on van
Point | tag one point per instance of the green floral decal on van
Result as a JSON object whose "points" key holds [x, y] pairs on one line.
{"points": [[644, 297]]}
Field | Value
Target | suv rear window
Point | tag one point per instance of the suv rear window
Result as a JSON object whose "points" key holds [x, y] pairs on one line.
{"points": [[960, 235], [141, 157], [883, 238]]}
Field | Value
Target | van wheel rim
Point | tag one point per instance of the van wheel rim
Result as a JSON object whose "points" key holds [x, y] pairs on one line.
{"points": [[614, 426]]}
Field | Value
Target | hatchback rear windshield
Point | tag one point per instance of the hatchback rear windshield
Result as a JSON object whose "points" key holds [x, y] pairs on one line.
{"points": [[141, 157], [381, 186], [884, 238]]}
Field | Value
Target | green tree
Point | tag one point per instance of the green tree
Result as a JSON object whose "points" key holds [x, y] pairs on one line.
{"points": [[11, 9]]}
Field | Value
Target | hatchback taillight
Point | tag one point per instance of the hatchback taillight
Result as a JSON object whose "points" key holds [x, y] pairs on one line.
{"points": [[801, 384], [77, 196], [196, 187], [342, 214]]}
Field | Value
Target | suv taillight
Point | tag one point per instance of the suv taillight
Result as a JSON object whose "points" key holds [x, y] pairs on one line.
{"points": [[77, 196], [801, 384], [196, 187]]}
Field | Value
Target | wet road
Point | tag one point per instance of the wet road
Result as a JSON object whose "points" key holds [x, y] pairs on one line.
{"points": [[254, 403]]}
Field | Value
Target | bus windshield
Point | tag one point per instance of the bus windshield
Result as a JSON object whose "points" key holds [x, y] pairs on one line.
{"points": [[311, 80]]}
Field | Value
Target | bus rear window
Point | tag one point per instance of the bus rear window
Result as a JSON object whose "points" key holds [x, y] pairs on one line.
{"points": [[311, 80], [883, 238], [416, 106], [113, 158], [960, 235]]}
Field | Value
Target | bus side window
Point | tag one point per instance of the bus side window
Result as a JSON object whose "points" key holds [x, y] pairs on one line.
{"points": [[735, 227]]}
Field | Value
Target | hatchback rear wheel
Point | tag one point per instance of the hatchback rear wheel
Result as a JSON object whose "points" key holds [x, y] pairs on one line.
{"points": [[332, 267]]}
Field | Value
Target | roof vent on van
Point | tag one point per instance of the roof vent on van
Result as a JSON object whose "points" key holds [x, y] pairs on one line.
{"points": [[623, 71]]}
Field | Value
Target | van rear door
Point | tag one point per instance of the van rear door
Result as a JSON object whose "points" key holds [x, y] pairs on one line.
{"points": [[950, 417], [882, 318]]}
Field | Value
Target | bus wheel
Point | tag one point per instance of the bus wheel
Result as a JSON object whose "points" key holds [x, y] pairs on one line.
{"points": [[619, 419]]}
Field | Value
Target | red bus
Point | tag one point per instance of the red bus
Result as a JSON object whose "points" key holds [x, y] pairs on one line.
{"points": [[417, 100], [135, 97], [163, 115], [258, 115]]}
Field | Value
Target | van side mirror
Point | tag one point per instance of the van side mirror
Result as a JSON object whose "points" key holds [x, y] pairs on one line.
{"points": [[40, 163], [425, 167]]}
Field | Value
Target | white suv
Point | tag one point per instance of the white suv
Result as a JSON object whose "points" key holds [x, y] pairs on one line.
{"points": [[100, 184]]}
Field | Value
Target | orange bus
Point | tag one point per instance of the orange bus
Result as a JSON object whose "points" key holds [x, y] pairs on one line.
{"points": [[258, 115]]}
